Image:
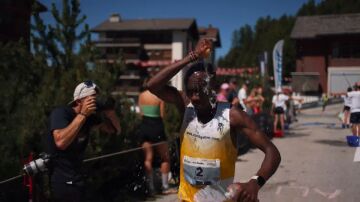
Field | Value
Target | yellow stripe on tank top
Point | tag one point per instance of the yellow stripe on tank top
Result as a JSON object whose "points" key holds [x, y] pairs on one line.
{"points": [[222, 149]]}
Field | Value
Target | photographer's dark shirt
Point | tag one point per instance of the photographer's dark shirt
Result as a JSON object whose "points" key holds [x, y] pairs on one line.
{"points": [[66, 164]]}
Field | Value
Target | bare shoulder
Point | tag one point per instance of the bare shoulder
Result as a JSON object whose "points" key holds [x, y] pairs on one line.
{"points": [[170, 94], [240, 119], [236, 116]]}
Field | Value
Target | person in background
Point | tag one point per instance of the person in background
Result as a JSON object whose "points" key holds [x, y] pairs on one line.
{"points": [[346, 110], [324, 101], [152, 131], [242, 96], [355, 109], [68, 137], [251, 102], [297, 101], [279, 108], [290, 112], [232, 96], [223, 93], [260, 99], [354, 96]]}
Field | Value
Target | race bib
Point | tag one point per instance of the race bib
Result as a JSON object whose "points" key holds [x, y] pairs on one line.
{"points": [[199, 171]]}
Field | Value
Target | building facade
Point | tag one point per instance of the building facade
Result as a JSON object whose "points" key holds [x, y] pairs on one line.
{"points": [[149, 45], [327, 48]]}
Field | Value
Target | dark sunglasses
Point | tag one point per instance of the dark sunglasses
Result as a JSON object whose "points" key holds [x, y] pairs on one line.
{"points": [[88, 84]]}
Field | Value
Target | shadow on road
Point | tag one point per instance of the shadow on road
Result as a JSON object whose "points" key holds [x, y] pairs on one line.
{"points": [[318, 115], [336, 143], [292, 135]]}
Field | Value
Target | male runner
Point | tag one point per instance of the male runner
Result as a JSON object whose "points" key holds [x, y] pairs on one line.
{"points": [[208, 136]]}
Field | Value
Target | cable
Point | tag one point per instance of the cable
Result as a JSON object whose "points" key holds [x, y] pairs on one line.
{"points": [[121, 152], [11, 179], [94, 158]]}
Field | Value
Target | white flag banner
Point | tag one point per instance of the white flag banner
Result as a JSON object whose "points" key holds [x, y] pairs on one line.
{"points": [[277, 63]]}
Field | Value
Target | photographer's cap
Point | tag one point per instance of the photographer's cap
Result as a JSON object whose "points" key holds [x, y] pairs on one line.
{"points": [[84, 89]]}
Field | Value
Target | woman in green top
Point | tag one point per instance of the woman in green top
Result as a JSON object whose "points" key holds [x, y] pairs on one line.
{"points": [[152, 131]]}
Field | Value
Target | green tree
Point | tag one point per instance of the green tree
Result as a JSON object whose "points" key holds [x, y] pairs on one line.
{"points": [[33, 83]]}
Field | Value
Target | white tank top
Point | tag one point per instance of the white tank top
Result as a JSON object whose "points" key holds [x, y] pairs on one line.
{"points": [[207, 157]]}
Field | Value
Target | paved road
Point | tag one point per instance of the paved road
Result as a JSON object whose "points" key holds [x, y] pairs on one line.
{"points": [[317, 165]]}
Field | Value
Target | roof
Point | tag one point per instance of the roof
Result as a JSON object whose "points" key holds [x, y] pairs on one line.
{"points": [[147, 25], [212, 33], [324, 25]]}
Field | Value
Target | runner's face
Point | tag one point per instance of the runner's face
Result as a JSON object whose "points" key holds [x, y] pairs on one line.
{"points": [[198, 90]]}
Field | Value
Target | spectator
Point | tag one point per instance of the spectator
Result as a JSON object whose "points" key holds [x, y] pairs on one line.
{"points": [[355, 109], [232, 97], [152, 131], [346, 110], [223, 93], [354, 96], [324, 101], [251, 102], [68, 137], [260, 100], [298, 102], [242, 96], [279, 108], [290, 112]]}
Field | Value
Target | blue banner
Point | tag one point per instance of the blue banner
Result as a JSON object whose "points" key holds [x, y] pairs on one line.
{"points": [[277, 63]]}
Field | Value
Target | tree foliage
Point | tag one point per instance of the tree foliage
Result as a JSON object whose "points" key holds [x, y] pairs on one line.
{"points": [[33, 83], [249, 42]]}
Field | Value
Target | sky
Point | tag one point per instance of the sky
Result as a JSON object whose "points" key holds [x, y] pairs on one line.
{"points": [[227, 15]]}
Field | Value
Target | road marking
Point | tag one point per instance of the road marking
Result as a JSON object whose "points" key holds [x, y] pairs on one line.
{"points": [[335, 194], [278, 190], [328, 195], [306, 190], [357, 154]]}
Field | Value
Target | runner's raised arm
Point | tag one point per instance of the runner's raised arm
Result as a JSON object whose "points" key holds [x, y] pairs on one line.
{"points": [[158, 84]]}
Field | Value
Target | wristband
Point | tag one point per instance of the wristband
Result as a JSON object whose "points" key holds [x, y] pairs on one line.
{"points": [[193, 56], [82, 114], [260, 180]]}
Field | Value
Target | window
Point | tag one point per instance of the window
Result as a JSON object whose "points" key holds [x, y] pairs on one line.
{"points": [[346, 50]]}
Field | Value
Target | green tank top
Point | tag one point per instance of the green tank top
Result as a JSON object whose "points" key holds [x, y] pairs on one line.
{"points": [[150, 110]]}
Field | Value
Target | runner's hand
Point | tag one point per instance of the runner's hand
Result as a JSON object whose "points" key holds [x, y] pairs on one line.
{"points": [[245, 192], [203, 48], [88, 106]]}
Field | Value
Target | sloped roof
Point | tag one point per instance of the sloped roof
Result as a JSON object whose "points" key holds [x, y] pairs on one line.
{"points": [[321, 25], [145, 24]]}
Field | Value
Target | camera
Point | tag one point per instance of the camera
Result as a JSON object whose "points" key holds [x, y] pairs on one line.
{"points": [[105, 104], [39, 165]]}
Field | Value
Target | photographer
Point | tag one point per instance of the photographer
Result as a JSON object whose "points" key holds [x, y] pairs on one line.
{"points": [[68, 137]]}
